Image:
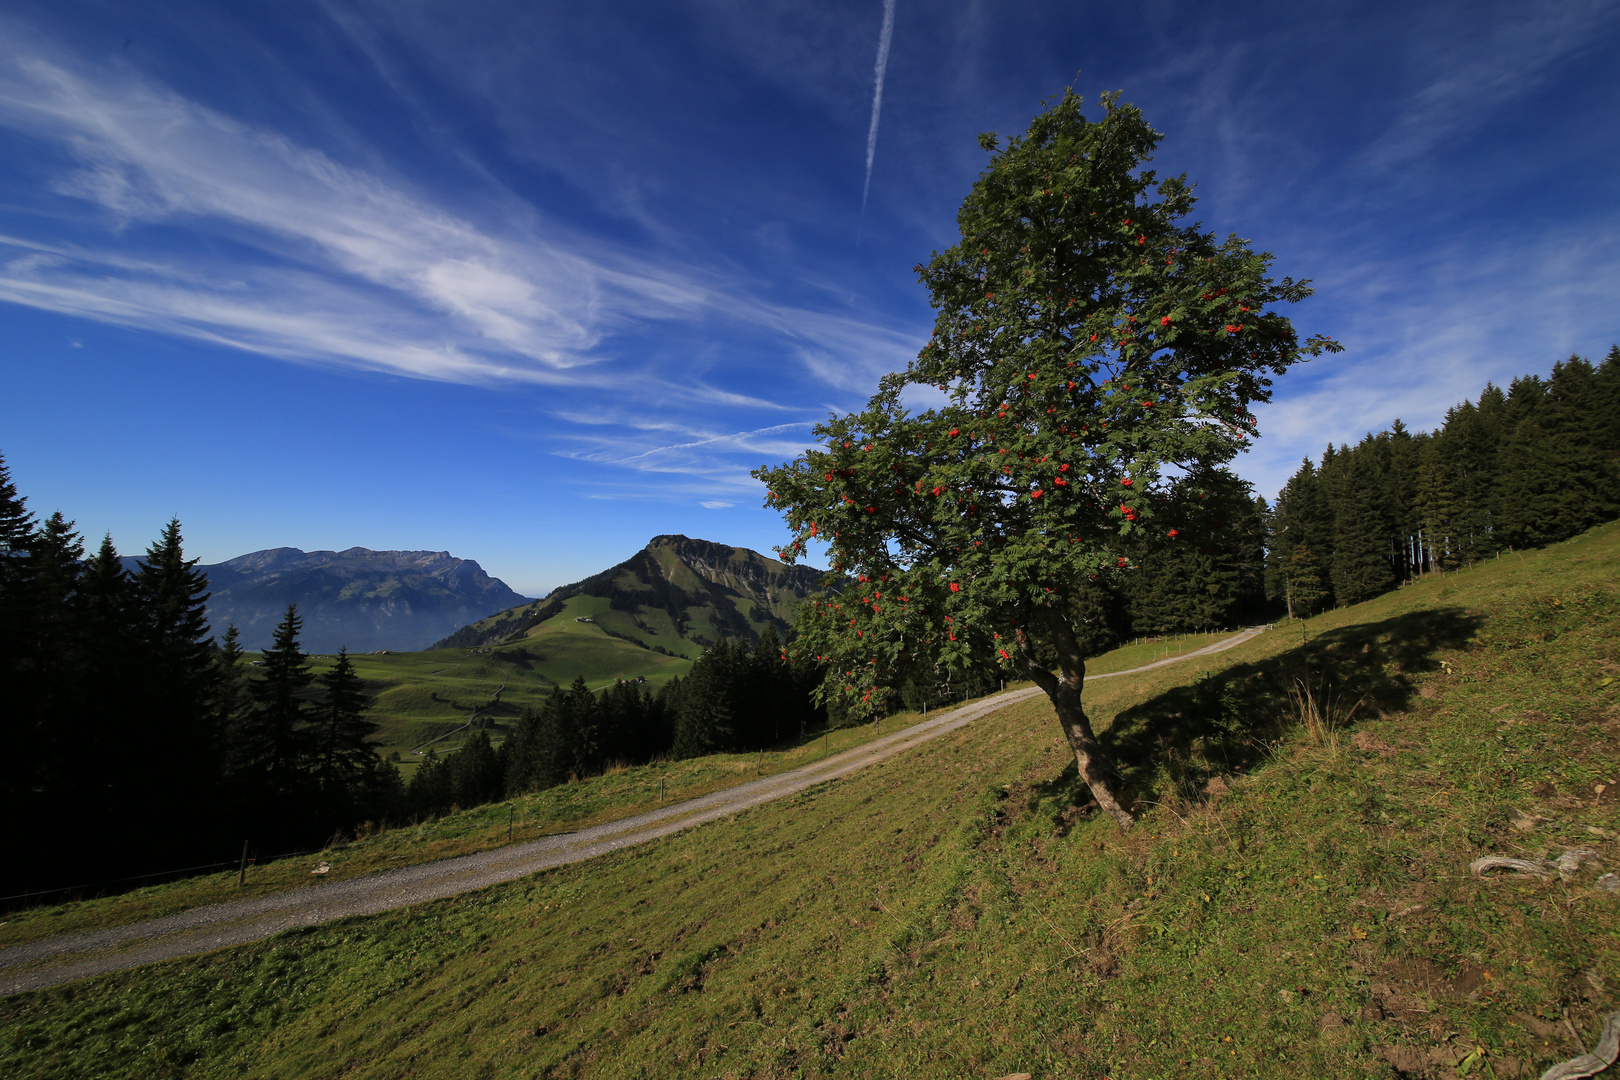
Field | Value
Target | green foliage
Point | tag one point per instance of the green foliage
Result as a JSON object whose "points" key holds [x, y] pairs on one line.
{"points": [[1215, 578], [344, 757], [111, 714], [272, 742], [1531, 466], [1099, 359]]}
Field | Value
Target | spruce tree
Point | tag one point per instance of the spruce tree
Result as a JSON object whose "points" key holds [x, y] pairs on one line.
{"points": [[275, 739], [475, 772], [1560, 479], [343, 755], [1436, 508], [766, 701], [1307, 583], [230, 696], [1302, 517], [579, 749], [109, 662], [1364, 533], [182, 752], [16, 526], [523, 766], [431, 790], [17, 638], [707, 721], [48, 692]]}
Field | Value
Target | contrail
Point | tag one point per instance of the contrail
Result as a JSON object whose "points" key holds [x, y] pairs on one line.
{"points": [[877, 95]]}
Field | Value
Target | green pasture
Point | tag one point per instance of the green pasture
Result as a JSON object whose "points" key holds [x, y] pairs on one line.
{"points": [[425, 695], [1295, 901]]}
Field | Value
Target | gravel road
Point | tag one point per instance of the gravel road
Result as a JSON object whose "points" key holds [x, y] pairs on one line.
{"points": [[52, 961]]}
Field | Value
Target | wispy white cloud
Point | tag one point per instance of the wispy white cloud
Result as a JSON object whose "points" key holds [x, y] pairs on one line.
{"points": [[342, 264], [880, 70], [659, 461], [1428, 332]]}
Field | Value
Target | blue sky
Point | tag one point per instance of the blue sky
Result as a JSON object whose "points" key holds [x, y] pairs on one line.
{"points": [[532, 282]]}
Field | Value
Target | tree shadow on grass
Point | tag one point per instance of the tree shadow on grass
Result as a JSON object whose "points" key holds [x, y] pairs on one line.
{"points": [[1169, 747]]}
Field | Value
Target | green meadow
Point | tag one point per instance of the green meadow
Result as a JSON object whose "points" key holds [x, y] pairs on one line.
{"points": [[426, 699], [1295, 901]]}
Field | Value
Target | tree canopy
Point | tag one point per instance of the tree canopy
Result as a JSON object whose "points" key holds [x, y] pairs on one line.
{"points": [[1093, 364]]}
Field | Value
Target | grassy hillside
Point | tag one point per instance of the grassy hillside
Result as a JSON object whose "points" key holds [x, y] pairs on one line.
{"points": [[1295, 902], [648, 617], [426, 696], [676, 595]]}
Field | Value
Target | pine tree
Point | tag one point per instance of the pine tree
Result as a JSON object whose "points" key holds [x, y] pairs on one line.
{"points": [[275, 739], [181, 756], [340, 735], [230, 696], [1434, 504], [1307, 583], [1364, 533], [707, 721], [475, 772], [16, 524]]}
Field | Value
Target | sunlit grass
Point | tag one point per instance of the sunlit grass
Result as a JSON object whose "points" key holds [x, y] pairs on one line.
{"points": [[1288, 906]]}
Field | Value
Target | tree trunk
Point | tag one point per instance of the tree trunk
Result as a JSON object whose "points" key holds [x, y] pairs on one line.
{"points": [[1093, 762]]}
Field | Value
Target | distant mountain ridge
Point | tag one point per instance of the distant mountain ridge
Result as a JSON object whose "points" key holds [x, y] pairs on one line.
{"points": [[676, 595], [362, 599]]}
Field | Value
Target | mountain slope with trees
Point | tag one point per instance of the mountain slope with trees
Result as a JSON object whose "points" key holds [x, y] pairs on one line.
{"points": [[677, 595]]}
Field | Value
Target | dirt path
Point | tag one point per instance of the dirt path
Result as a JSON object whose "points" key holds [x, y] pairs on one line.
{"points": [[52, 961]]}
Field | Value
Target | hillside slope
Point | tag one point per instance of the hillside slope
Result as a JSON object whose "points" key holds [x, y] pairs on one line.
{"points": [[676, 595], [359, 598], [1297, 900]]}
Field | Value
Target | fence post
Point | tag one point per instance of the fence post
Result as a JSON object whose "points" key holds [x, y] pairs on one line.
{"points": [[241, 873]]}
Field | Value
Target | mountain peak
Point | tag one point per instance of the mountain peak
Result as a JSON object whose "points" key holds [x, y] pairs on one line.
{"points": [[678, 594], [357, 597]]}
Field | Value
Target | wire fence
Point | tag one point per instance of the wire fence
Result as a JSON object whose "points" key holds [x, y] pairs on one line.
{"points": [[61, 894]]}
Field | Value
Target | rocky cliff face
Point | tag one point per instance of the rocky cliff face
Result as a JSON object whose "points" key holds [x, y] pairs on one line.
{"points": [[359, 598]]}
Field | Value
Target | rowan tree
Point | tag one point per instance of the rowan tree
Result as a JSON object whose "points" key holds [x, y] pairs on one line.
{"points": [[1093, 360]]}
